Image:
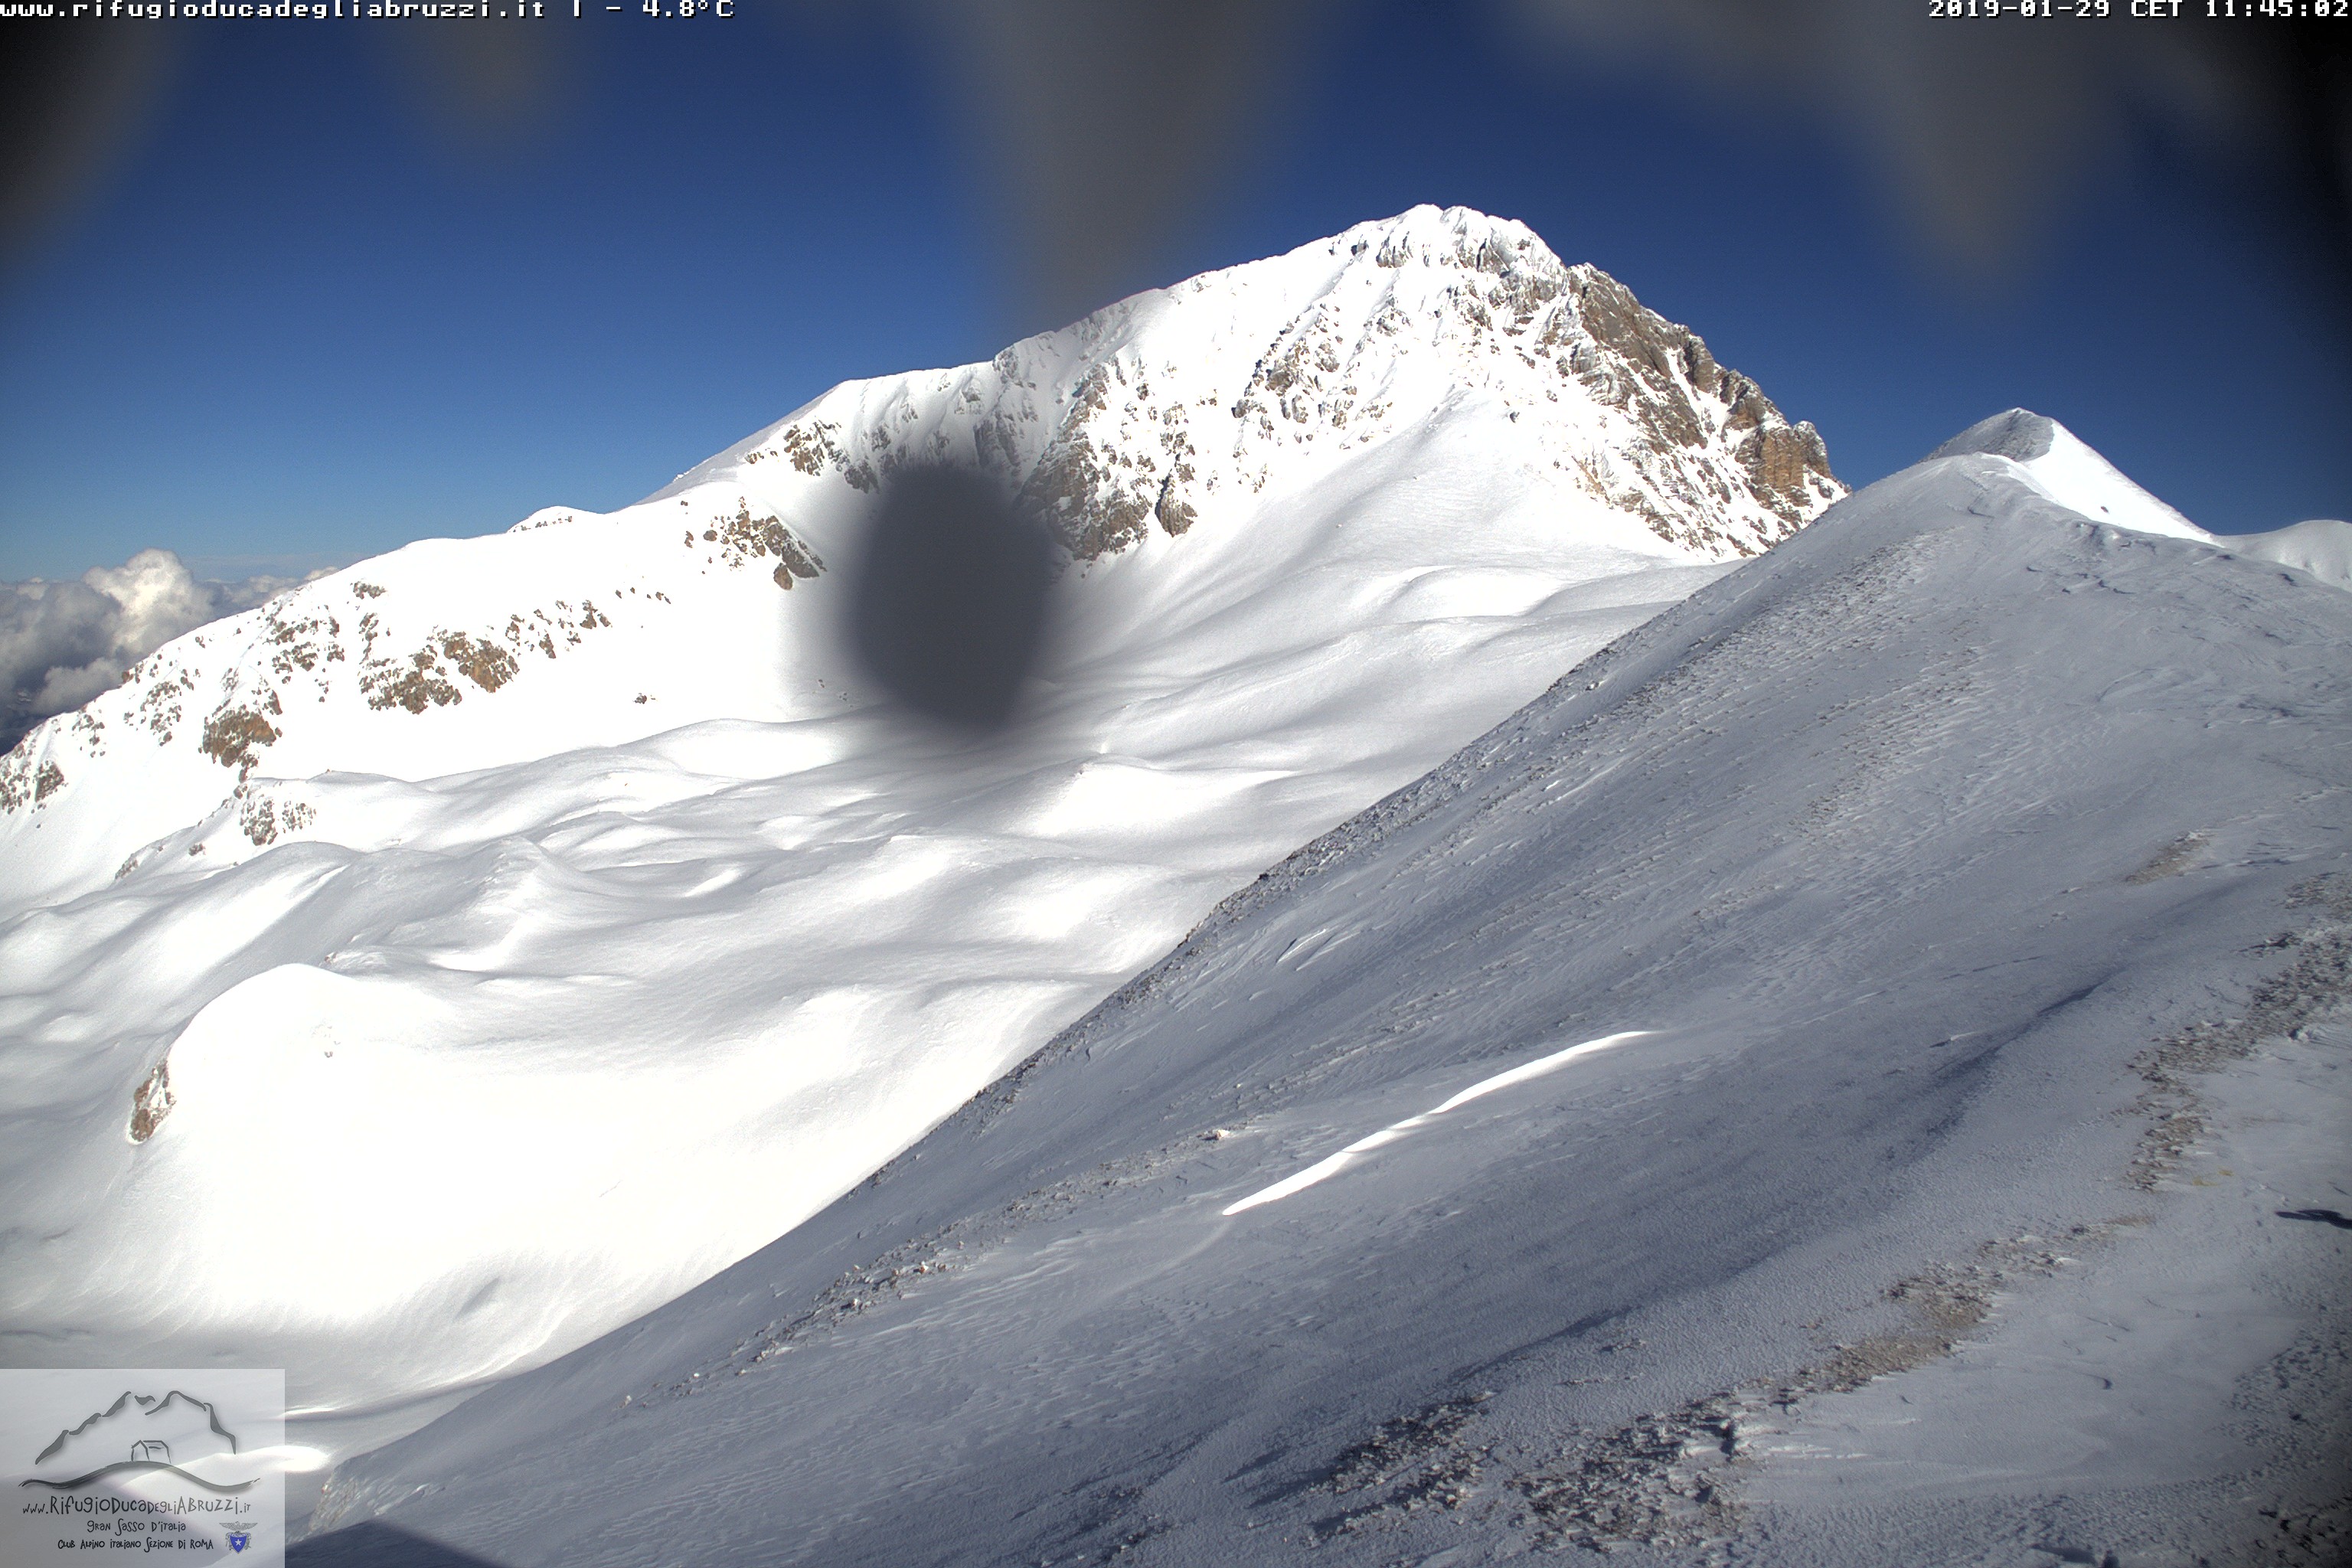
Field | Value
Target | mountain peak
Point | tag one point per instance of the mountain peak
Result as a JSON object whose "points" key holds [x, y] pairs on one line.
{"points": [[311, 905], [2018, 434], [1197, 399], [1185, 411], [2068, 470]]}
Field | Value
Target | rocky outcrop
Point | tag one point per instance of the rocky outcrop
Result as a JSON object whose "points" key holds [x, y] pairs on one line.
{"points": [[1119, 424]]}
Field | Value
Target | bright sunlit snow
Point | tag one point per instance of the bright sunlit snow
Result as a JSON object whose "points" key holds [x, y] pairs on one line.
{"points": [[1322, 1170], [2060, 466]]}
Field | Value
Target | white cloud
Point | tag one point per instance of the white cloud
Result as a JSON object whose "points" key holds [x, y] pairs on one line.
{"points": [[61, 644]]}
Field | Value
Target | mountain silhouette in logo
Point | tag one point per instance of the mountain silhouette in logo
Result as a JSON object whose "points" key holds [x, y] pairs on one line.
{"points": [[138, 1433]]}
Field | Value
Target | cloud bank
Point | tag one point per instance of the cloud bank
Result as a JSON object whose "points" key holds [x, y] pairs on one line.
{"points": [[61, 644]]}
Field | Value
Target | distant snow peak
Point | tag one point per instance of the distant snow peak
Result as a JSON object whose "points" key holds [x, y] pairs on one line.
{"points": [[2066, 470], [2018, 434]]}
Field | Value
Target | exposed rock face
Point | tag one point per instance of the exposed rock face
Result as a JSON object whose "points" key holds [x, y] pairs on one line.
{"points": [[1662, 376], [1168, 405], [150, 1103], [2020, 434]]}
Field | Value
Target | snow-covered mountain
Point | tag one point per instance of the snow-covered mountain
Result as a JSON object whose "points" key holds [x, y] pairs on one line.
{"points": [[1853, 1073], [410, 979], [2057, 463]]}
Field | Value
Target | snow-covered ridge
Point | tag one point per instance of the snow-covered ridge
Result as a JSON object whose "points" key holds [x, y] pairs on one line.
{"points": [[2059, 463], [2321, 546]]}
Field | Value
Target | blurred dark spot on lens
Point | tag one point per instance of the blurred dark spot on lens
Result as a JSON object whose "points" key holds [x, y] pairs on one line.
{"points": [[73, 102], [949, 603]]}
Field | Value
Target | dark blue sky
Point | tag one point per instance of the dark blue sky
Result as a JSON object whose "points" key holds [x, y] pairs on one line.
{"points": [[302, 322]]}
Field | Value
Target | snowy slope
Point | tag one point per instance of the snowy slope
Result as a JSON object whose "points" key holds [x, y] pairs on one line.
{"points": [[465, 954], [1556, 1152]]}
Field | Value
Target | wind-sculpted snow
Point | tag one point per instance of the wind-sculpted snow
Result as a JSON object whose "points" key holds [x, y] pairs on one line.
{"points": [[465, 952], [1932, 854]]}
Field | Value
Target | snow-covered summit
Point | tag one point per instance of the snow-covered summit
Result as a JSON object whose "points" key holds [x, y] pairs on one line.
{"points": [[1187, 401], [2062, 466], [518, 929], [1194, 406]]}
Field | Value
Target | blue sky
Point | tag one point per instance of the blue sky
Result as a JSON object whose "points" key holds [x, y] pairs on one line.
{"points": [[302, 322]]}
